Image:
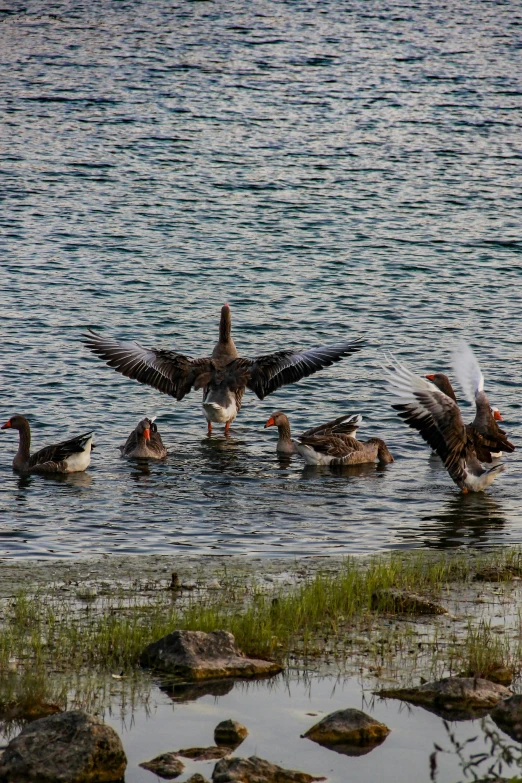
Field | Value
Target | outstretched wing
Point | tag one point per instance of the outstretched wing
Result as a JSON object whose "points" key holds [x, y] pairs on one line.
{"points": [[167, 371], [267, 373], [434, 415], [467, 371]]}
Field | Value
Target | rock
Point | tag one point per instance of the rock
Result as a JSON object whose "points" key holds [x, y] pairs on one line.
{"points": [[230, 733], [397, 601], [498, 674], [498, 574], [452, 693], [347, 731], [70, 747], [197, 655], [27, 710], [167, 766], [508, 716], [197, 778], [203, 754], [256, 770]]}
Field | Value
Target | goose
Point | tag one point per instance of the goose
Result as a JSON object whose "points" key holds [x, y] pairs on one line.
{"points": [[342, 450], [489, 440], [285, 445], [71, 456], [144, 442], [436, 416], [224, 376]]}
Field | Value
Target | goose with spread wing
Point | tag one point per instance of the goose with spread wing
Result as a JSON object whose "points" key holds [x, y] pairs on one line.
{"points": [[224, 376], [70, 456], [436, 416], [346, 425]]}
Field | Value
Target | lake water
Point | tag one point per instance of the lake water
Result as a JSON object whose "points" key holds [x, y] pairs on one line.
{"points": [[331, 170]]}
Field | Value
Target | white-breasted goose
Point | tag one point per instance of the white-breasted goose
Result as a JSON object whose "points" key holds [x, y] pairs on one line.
{"points": [[144, 442], [224, 376], [436, 416], [71, 456], [346, 425]]}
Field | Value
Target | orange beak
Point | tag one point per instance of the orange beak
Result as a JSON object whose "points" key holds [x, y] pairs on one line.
{"points": [[430, 377], [497, 416], [146, 434], [270, 422], [6, 425]]}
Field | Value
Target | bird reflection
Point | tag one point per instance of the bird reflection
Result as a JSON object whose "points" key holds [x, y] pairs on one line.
{"points": [[224, 455], [348, 471], [472, 518]]}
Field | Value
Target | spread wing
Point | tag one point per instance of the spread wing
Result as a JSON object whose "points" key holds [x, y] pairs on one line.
{"points": [[467, 371], [435, 416], [267, 373], [344, 425], [167, 371], [59, 451]]}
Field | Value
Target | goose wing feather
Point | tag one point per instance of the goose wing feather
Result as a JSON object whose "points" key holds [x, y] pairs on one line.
{"points": [[59, 451], [271, 371], [343, 425], [467, 371], [167, 371], [434, 415]]}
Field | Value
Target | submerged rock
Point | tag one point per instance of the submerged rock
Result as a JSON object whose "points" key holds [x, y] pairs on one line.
{"points": [[452, 693], [256, 770], [230, 733], [348, 731], [203, 754], [167, 766], [70, 747], [397, 601], [197, 655], [508, 716]]}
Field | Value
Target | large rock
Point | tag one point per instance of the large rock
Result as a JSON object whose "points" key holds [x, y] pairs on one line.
{"points": [[348, 731], [508, 716], [256, 770], [166, 766], [396, 601], [452, 693], [196, 655], [71, 747], [230, 733]]}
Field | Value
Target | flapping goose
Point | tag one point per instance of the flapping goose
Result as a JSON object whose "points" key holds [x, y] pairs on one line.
{"points": [[437, 417], [346, 425], [71, 456], [144, 442], [487, 437], [223, 376]]}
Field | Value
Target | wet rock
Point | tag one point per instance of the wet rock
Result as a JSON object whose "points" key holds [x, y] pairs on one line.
{"points": [[397, 601], [197, 778], [498, 574], [70, 747], [508, 716], [230, 733], [256, 770], [197, 655], [348, 731], [203, 754], [498, 674], [452, 693], [167, 766]]}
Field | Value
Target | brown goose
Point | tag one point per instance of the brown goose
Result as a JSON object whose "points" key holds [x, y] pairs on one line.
{"points": [[341, 450], [223, 376], [71, 456], [436, 416], [144, 442], [346, 425], [487, 437]]}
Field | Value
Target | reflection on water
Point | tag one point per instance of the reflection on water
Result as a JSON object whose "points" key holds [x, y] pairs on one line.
{"points": [[466, 518]]}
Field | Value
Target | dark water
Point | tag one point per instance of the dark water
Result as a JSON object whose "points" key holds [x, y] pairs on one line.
{"points": [[331, 169]]}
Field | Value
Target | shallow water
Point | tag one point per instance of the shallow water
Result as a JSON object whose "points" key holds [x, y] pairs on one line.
{"points": [[329, 169], [277, 713]]}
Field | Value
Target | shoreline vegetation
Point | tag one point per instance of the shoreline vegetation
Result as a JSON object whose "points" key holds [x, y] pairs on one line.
{"points": [[72, 633]]}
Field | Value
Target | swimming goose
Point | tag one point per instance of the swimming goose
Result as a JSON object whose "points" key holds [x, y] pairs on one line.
{"points": [[488, 439], [436, 416], [285, 445], [341, 450], [224, 376], [71, 456], [144, 442]]}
